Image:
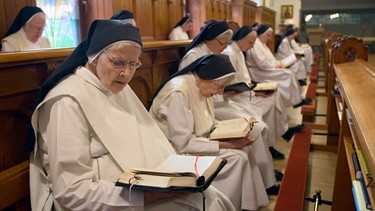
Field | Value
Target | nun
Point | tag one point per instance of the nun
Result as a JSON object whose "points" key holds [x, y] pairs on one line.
{"points": [[180, 31], [274, 114], [214, 38], [283, 49], [26, 31], [183, 109], [89, 127], [264, 67], [125, 16]]}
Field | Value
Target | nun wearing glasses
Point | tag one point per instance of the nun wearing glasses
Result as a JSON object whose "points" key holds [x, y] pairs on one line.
{"points": [[89, 127]]}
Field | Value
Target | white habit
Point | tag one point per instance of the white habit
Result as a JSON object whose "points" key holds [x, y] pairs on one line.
{"points": [[285, 50], [86, 137], [187, 117], [18, 42], [261, 64]]}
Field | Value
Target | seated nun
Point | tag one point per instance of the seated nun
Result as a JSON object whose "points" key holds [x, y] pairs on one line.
{"points": [[183, 109], [26, 31], [264, 67], [89, 127], [283, 49], [180, 31]]}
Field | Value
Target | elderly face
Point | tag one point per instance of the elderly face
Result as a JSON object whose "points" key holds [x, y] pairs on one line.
{"points": [[35, 27], [218, 44], [115, 66], [187, 26], [247, 42], [209, 88], [265, 37]]}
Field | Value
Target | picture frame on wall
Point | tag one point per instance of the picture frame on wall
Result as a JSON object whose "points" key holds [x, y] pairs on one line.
{"points": [[286, 11]]}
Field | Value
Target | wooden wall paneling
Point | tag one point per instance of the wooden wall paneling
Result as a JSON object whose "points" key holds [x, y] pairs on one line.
{"points": [[228, 10], [176, 11], [161, 22], [243, 12], [222, 11], [144, 18], [215, 9], [91, 10], [198, 13], [209, 10], [9, 11], [129, 5]]}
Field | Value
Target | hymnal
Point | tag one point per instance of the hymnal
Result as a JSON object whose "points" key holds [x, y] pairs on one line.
{"points": [[176, 173], [232, 128]]}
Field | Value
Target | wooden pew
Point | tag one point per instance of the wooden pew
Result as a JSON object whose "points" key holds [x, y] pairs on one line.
{"points": [[292, 190], [21, 75], [344, 49], [308, 111], [356, 80]]}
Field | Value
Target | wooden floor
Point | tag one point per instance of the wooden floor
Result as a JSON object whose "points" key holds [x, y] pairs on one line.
{"points": [[322, 163]]}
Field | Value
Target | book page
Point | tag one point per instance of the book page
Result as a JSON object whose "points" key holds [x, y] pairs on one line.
{"points": [[233, 128], [185, 163], [286, 62]]}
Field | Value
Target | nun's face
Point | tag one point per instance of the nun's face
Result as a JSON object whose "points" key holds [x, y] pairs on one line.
{"points": [[247, 42], [34, 29], [115, 67], [209, 88], [218, 44]]}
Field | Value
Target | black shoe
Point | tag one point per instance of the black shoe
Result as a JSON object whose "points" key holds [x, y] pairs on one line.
{"points": [[276, 154], [279, 175], [305, 101], [291, 131], [302, 82], [274, 190]]}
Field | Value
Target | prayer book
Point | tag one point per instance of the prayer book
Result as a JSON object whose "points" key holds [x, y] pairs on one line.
{"points": [[288, 61], [266, 86], [232, 128], [239, 87], [185, 173]]}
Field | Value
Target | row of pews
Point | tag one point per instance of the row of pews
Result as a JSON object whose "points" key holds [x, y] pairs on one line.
{"points": [[348, 82]]}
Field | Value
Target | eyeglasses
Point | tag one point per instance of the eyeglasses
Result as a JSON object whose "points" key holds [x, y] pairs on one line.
{"points": [[120, 64], [221, 43]]}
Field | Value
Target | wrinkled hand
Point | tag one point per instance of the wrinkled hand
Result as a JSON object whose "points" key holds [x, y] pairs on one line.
{"points": [[150, 196], [229, 94], [236, 143]]}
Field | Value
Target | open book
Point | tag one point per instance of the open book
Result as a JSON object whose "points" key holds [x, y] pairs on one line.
{"points": [[289, 60], [239, 87], [266, 86], [176, 173], [232, 128]]}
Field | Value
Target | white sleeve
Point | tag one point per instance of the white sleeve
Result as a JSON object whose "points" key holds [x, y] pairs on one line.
{"points": [[75, 183], [181, 127], [6, 47]]}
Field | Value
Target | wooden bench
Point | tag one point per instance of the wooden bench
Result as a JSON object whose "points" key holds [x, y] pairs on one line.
{"points": [[14, 186], [292, 190], [308, 111], [314, 74]]}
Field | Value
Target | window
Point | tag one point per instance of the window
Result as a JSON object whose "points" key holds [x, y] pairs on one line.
{"points": [[62, 26]]}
